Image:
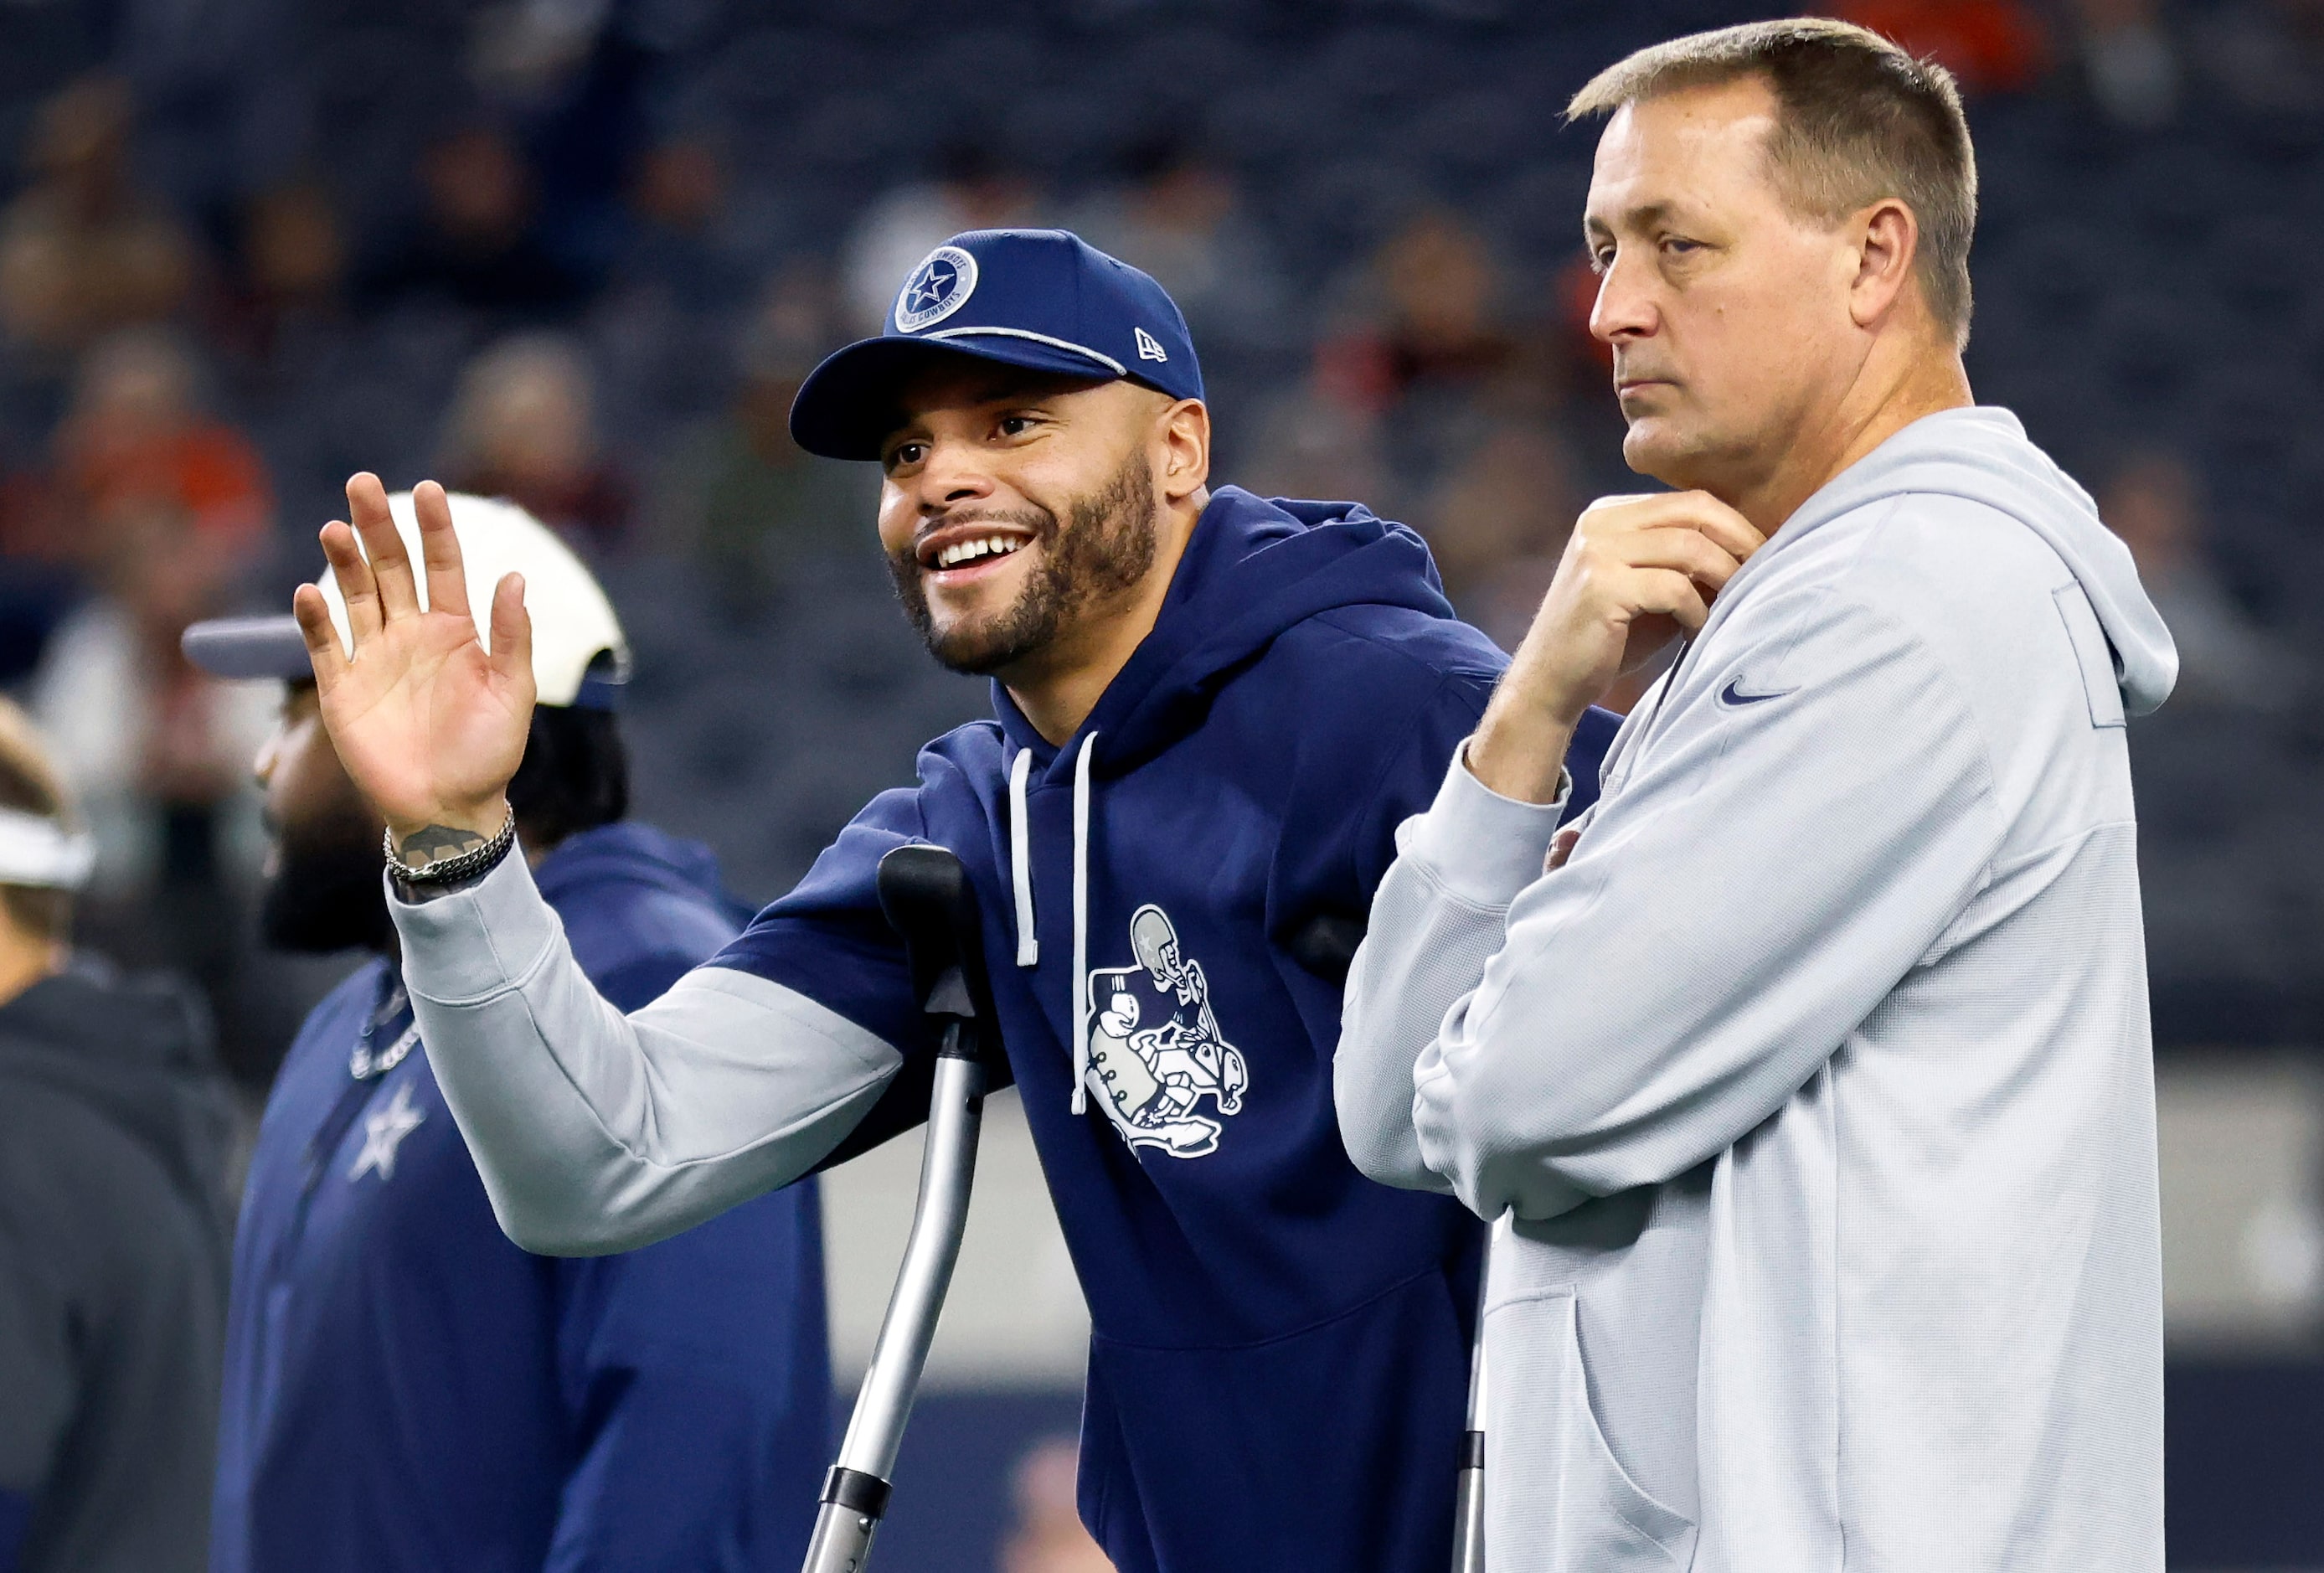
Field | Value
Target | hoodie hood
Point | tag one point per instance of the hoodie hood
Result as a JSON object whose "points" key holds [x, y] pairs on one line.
{"points": [[1253, 567], [139, 1051], [1982, 454], [635, 853]]}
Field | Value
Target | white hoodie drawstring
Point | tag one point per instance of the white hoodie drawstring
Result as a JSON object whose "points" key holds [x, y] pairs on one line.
{"points": [[1020, 859], [1020, 879], [1081, 924]]}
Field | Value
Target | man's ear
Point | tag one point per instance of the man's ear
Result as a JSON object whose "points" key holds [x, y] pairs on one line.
{"points": [[1186, 441], [1887, 244]]}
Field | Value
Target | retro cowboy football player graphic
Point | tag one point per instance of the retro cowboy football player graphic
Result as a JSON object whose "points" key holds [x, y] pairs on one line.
{"points": [[1156, 1051]]}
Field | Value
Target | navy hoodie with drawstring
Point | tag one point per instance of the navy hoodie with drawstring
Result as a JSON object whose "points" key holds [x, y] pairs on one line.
{"points": [[1279, 1353], [405, 1390], [1169, 903]]}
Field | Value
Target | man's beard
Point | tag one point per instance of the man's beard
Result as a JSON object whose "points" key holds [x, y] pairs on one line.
{"points": [[324, 894], [1107, 550]]}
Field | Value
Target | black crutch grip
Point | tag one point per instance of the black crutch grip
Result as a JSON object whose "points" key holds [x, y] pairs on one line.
{"points": [[925, 895]]}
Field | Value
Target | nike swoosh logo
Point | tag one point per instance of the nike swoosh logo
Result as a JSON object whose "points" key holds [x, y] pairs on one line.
{"points": [[1732, 695]]}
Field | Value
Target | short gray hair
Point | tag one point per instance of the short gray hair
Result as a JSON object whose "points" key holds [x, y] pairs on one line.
{"points": [[1860, 120]]}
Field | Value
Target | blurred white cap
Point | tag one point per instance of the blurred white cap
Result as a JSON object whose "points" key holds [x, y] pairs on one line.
{"points": [[573, 622]]}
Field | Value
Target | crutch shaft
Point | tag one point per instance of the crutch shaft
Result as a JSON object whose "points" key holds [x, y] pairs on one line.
{"points": [[955, 1115], [856, 1492]]}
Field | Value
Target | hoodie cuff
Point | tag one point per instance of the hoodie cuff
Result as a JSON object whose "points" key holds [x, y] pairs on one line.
{"points": [[466, 946], [1482, 847]]}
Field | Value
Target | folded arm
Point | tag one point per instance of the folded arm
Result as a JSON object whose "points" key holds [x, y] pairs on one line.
{"points": [[596, 1132], [1759, 883], [1436, 922]]}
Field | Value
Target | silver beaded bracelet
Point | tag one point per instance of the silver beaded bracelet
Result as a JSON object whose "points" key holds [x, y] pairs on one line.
{"points": [[476, 861]]}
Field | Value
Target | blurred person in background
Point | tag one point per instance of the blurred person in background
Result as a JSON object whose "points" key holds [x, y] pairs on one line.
{"points": [[675, 239], [2129, 61], [2227, 660], [138, 437], [1325, 438], [83, 251], [2265, 55], [1047, 1536], [405, 1388], [1990, 46], [523, 426], [975, 189], [1428, 340], [1438, 327], [1178, 216], [739, 495], [116, 1218], [166, 511], [1497, 523], [293, 253], [478, 243], [1396, 382]]}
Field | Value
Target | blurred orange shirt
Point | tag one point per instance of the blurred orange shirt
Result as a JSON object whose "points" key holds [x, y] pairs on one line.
{"points": [[209, 470], [1989, 45]]}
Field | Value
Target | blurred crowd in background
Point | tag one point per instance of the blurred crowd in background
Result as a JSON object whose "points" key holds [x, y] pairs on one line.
{"points": [[580, 253]]}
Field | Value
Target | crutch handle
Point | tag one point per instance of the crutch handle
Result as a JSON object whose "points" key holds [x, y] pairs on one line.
{"points": [[925, 895]]}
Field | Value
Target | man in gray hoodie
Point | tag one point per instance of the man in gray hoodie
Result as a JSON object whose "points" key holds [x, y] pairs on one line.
{"points": [[1809, 1072]]}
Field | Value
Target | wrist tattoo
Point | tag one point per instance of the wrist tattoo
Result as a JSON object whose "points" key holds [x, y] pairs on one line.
{"points": [[435, 843]]}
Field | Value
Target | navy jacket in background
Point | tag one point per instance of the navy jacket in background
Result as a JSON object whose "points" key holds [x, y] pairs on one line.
{"points": [[1279, 1353], [406, 1392]]}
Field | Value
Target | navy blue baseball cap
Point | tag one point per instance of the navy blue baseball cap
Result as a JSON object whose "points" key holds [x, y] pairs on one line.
{"points": [[1036, 298]]}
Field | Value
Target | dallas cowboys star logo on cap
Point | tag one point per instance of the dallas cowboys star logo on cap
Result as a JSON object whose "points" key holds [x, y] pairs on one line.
{"points": [[938, 287]]}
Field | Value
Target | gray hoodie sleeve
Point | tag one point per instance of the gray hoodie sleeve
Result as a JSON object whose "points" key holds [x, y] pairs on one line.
{"points": [[1765, 872], [1436, 922], [596, 1132]]}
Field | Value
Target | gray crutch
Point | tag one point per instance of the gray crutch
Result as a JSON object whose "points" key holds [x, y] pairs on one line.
{"points": [[925, 893], [1469, 1492]]}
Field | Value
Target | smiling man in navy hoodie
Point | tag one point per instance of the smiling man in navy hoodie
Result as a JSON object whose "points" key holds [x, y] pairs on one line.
{"points": [[405, 1390], [1212, 713]]}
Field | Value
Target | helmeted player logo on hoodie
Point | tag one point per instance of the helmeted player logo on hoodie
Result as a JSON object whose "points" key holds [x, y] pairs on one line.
{"points": [[1157, 1056]]}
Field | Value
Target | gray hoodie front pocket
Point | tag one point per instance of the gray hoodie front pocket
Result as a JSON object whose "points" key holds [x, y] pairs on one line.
{"points": [[1556, 1499]]}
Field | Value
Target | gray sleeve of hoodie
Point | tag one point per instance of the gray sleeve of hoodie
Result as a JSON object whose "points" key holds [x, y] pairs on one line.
{"points": [[1759, 881], [596, 1132], [1433, 929]]}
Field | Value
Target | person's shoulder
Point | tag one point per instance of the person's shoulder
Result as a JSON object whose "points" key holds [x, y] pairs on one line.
{"points": [[1918, 560], [1966, 545], [973, 748], [1368, 647]]}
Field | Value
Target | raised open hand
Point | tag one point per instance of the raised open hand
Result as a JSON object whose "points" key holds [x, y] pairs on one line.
{"points": [[429, 725]]}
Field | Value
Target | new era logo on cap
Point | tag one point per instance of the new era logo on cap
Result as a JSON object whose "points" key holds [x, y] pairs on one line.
{"points": [[1040, 298]]}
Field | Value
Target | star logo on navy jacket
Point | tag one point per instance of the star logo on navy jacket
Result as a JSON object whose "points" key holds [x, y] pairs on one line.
{"points": [[1155, 1052], [384, 1132]]}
